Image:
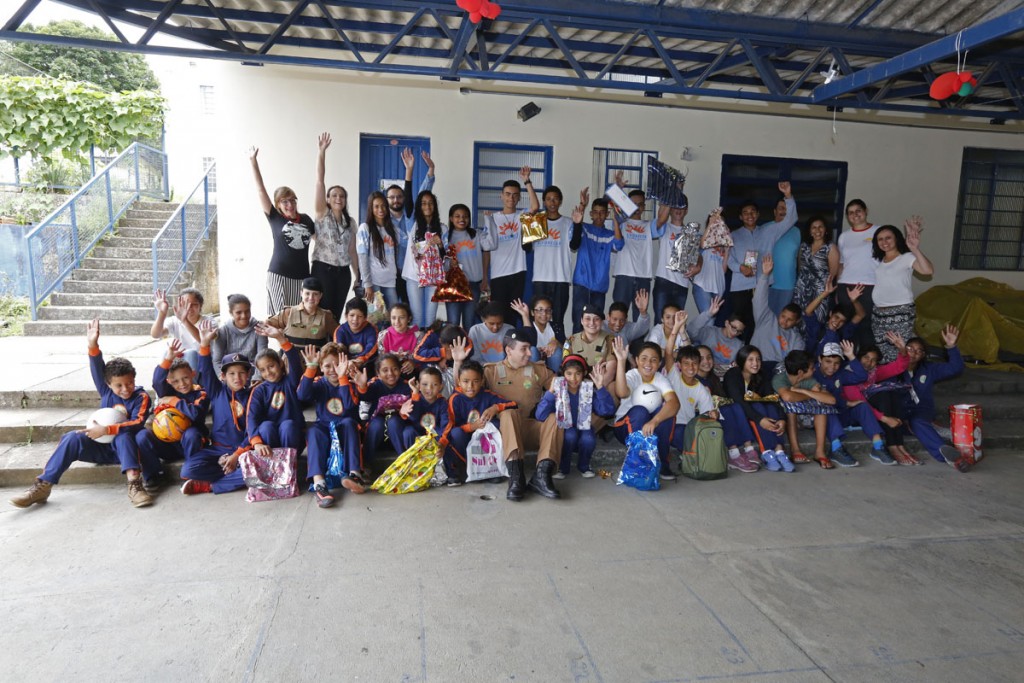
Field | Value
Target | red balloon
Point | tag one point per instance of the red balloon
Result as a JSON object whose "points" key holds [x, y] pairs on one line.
{"points": [[490, 9], [945, 85], [463, 4], [475, 17], [473, 5], [973, 82], [965, 76]]}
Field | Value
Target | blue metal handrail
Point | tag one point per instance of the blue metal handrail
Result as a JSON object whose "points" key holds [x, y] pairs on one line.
{"points": [[183, 232], [57, 245]]}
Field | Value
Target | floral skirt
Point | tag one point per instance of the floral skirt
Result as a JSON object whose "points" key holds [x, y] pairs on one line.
{"points": [[899, 319]]}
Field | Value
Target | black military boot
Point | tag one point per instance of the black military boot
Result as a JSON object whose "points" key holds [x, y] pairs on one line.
{"points": [[541, 481], [516, 480]]}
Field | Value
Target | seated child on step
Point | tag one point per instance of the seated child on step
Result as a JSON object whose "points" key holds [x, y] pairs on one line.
{"points": [[739, 439], [488, 337], [357, 336], [797, 387], [385, 394], [274, 417], [400, 339], [446, 350], [426, 409], [238, 335], [175, 387], [183, 325]]}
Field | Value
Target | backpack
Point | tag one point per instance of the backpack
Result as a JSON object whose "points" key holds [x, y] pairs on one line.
{"points": [[704, 455]]}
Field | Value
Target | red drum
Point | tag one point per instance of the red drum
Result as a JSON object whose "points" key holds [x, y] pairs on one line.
{"points": [[965, 423]]}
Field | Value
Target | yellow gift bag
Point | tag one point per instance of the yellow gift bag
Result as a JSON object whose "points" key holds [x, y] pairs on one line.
{"points": [[534, 226], [412, 470]]}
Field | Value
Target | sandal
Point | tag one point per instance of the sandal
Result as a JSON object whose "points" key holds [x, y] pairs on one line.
{"points": [[799, 458], [824, 463]]}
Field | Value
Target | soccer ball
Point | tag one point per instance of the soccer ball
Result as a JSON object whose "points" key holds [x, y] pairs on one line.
{"points": [[169, 425], [647, 396], [105, 417]]}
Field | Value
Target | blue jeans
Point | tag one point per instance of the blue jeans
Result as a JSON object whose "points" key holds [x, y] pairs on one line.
{"points": [[581, 296], [668, 293], [626, 287], [701, 298], [424, 311], [463, 314], [390, 296], [779, 299]]}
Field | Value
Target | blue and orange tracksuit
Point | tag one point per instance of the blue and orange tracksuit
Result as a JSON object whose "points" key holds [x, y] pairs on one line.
{"points": [[462, 410], [337, 407], [921, 412], [375, 427], [360, 346], [433, 415], [76, 446], [273, 415], [583, 441], [194, 405], [228, 436]]}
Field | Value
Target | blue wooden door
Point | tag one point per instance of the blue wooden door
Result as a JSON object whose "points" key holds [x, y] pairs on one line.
{"points": [[380, 164]]}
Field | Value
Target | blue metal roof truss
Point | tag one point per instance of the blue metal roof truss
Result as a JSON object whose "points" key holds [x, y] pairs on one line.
{"points": [[635, 47]]}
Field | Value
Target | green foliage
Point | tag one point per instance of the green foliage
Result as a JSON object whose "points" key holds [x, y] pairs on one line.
{"points": [[14, 310], [28, 207], [110, 70], [43, 116], [49, 173]]}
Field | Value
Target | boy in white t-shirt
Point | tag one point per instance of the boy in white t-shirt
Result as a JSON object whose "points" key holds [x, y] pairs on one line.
{"points": [[694, 398], [552, 269], [508, 260], [634, 263], [671, 286]]}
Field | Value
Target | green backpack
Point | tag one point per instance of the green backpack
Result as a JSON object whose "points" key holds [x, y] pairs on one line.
{"points": [[704, 454]]}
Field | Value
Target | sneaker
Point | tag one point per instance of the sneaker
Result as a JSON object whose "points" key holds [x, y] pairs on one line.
{"points": [[194, 486], [558, 475], [784, 462], [452, 483], [742, 463], [138, 495], [882, 457], [667, 474], [589, 474], [770, 463], [752, 458], [842, 457], [354, 483], [950, 454], [324, 498], [39, 492], [153, 484]]}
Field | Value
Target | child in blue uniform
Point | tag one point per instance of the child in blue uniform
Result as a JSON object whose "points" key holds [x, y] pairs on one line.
{"points": [[115, 383], [274, 417], [380, 393], [214, 469], [470, 407], [174, 383], [336, 409], [447, 350], [426, 409], [922, 375], [357, 337], [575, 401]]}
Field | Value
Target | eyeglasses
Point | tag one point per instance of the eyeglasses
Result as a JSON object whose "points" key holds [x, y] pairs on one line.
{"points": [[542, 310], [735, 328]]}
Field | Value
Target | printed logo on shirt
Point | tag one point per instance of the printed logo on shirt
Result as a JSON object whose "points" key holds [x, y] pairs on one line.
{"points": [[296, 235], [428, 421], [277, 400], [473, 416], [508, 231], [781, 341], [691, 400], [923, 379], [237, 408], [335, 406], [121, 408], [467, 245], [723, 351], [837, 384], [388, 242], [355, 349], [490, 346], [636, 231], [553, 240]]}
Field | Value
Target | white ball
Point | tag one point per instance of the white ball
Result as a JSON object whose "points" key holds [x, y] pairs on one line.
{"points": [[105, 417], [647, 396]]}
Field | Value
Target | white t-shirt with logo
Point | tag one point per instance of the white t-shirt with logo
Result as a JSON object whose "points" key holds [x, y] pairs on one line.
{"points": [[633, 380], [855, 255], [551, 256], [636, 258], [508, 258], [693, 400]]}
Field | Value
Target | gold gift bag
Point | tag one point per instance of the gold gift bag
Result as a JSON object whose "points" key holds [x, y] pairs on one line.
{"points": [[534, 226], [412, 470]]}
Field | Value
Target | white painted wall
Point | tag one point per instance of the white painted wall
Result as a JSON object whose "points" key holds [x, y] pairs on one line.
{"points": [[897, 170]]}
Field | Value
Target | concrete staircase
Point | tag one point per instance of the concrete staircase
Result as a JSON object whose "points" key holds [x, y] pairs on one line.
{"points": [[32, 422], [114, 282]]}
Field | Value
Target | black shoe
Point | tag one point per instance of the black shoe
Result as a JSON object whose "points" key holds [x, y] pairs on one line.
{"points": [[323, 497], [541, 481], [516, 480], [154, 483]]}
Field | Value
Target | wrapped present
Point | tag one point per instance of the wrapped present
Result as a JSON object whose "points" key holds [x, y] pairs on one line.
{"points": [[390, 403], [641, 466], [412, 470], [430, 262], [376, 309], [665, 183], [965, 425], [534, 226], [685, 249], [455, 288], [717, 233], [270, 477]]}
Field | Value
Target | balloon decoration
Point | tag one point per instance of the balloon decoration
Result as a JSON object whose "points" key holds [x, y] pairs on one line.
{"points": [[479, 9], [951, 83]]}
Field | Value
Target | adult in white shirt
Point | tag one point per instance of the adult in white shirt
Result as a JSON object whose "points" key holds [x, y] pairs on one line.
{"points": [[508, 259], [898, 259]]}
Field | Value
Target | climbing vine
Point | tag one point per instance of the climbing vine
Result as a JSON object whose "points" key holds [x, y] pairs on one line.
{"points": [[42, 116]]}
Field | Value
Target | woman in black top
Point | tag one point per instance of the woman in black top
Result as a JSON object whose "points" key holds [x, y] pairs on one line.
{"points": [[291, 231]]}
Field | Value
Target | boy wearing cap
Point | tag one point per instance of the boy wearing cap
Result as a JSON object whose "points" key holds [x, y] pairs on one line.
{"points": [[214, 469], [306, 323]]}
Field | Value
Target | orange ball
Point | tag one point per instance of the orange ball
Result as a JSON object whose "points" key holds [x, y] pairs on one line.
{"points": [[169, 425]]}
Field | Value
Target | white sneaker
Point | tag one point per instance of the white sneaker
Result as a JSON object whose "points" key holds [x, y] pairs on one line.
{"points": [[558, 475], [589, 474]]}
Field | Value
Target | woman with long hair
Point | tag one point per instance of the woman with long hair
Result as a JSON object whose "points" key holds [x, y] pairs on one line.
{"points": [[376, 241], [334, 249], [817, 261], [426, 221], [898, 259]]}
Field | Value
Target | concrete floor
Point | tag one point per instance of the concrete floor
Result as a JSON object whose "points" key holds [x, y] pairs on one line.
{"points": [[870, 574]]}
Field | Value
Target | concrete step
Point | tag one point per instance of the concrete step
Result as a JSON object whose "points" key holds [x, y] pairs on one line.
{"points": [[109, 287], [153, 223], [137, 232], [103, 251], [50, 328], [65, 400], [154, 206], [142, 276], [144, 300], [112, 313], [128, 242], [93, 262], [35, 425], [135, 213]]}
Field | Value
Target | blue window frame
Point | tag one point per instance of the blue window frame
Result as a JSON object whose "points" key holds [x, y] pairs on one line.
{"points": [[819, 187], [989, 230], [494, 163], [380, 165], [632, 163]]}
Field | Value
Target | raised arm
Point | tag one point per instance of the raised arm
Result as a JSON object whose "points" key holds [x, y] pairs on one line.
{"points": [[428, 180], [914, 227], [261, 188], [320, 190], [524, 175]]}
